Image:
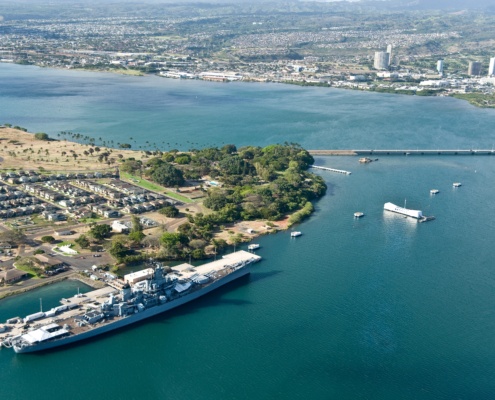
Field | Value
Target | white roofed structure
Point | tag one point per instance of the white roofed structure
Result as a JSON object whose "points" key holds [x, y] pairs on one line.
{"points": [[138, 276]]}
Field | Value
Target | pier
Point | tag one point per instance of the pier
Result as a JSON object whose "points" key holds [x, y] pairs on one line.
{"points": [[339, 171], [404, 152]]}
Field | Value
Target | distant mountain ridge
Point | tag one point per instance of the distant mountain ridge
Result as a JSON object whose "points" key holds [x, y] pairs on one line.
{"points": [[431, 4]]}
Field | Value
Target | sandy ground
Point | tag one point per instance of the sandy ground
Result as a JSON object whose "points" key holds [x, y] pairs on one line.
{"points": [[19, 149]]}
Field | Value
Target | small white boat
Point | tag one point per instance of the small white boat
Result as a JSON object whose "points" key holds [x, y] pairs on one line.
{"points": [[434, 191], [358, 214], [253, 246], [295, 234], [457, 184]]}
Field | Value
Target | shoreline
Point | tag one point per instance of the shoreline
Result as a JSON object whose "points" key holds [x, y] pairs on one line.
{"points": [[17, 143], [71, 276], [479, 100]]}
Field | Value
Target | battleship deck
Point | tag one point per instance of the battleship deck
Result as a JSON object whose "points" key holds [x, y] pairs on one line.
{"points": [[86, 298], [219, 270]]}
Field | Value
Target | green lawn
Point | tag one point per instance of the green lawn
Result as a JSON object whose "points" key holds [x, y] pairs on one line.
{"points": [[145, 184], [33, 272], [177, 196]]}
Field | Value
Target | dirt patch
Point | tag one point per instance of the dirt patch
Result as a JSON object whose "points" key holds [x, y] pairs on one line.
{"points": [[21, 150]]}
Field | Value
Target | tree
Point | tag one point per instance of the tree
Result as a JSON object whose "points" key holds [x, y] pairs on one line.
{"points": [[118, 250], [169, 211], [229, 149], [41, 136], [136, 236], [183, 159], [82, 241], [172, 242], [166, 174], [47, 239], [100, 232], [14, 236], [236, 239], [198, 254], [136, 224], [130, 166]]}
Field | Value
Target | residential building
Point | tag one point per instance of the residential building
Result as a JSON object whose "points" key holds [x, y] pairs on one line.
{"points": [[382, 60], [440, 67], [474, 68], [11, 276], [491, 68]]}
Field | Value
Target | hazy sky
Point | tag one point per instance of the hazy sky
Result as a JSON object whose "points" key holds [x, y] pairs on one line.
{"points": [[384, 3]]}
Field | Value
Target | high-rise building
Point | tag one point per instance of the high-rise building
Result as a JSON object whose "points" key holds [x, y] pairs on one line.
{"points": [[389, 51], [382, 60], [474, 68], [440, 66], [491, 68]]}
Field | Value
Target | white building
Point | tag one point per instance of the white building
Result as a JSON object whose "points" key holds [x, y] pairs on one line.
{"points": [[382, 60], [138, 276], [440, 66], [119, 227], [491, 68], [389, 51], [387, 74]]}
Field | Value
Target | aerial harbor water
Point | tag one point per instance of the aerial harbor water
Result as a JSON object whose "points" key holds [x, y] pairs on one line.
{"points": [[378, 307]]}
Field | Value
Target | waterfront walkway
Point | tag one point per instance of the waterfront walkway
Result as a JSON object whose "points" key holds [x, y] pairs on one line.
{"points": [[339, 171], [406, 152]]}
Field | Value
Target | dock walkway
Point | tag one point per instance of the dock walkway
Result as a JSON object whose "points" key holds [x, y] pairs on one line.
{"points": [[340, 171]]}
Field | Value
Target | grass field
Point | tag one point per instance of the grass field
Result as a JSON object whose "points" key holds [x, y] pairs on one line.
{"points": [[145, 184]]}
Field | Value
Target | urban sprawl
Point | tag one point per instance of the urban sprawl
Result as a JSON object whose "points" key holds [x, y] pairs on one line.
{"points": [[430, 52]]}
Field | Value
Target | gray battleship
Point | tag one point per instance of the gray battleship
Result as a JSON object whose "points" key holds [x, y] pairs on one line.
{"points": [[143, 294]]}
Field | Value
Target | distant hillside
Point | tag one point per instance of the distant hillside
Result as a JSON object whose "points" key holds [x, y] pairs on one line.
{"points": [[434, 4]]}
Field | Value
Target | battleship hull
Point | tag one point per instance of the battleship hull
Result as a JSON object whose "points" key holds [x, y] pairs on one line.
{"points": [[131, 319]]}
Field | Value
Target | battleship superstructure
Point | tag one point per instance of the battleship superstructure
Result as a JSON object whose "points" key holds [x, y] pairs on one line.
{"points": [[143, 295]]}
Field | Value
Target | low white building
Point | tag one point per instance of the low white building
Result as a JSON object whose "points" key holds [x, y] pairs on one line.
{"points": [[138, 276], [119, 227]]}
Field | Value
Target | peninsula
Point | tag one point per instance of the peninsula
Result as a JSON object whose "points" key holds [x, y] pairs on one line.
{"points": [[70, 207]]}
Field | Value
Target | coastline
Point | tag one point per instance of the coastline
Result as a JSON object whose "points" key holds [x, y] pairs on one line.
{"points": [[46, 159], [476, 99], [5, 292]]}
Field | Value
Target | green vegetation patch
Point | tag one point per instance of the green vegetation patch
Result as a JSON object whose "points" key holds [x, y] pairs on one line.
{"points": [[28, 265], [303, 213], [145, 184], [477, 99]]}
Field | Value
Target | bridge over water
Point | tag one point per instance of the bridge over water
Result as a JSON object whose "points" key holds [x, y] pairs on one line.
{"points": [[405, 152]]}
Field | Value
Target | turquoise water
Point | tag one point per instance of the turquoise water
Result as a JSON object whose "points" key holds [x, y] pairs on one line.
{"points": [[376, 308], [168, 113]]}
